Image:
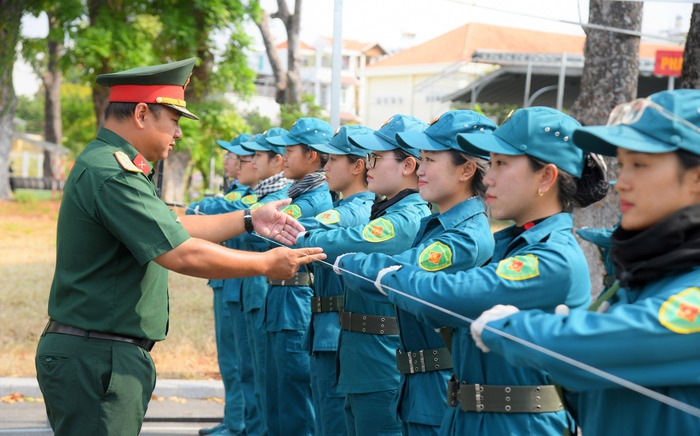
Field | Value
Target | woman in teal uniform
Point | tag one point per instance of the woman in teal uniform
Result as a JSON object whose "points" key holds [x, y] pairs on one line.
{"points": [[650, 335], [369, 335], [288, 303], [455, 239], [346, 174], [534, 179]]}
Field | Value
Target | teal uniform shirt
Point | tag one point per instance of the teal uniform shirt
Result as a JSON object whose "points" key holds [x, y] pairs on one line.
{"points": [[649, 336], [367, 361], [352, 211], [456, 240], [111, 226], [539, 268], [289, 307], [254, 289]]}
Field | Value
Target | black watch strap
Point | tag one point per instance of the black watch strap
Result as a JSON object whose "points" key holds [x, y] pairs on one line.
{"points": [[248, 221]]}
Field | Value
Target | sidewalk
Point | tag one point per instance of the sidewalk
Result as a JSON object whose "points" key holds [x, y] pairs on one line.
{"points": [[179, 407]]}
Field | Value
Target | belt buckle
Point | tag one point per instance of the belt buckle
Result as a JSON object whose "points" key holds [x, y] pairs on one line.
{"points": [[477, 397]]}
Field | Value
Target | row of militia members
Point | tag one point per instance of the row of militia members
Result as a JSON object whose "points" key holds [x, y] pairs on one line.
{"points": [[383, 342]]}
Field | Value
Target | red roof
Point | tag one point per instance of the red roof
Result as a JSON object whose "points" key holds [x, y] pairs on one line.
{"points": [[459, 44]]}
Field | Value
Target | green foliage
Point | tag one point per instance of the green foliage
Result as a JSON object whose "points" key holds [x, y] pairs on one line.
{"points": [[289, 113], [218, 120], [498, 112], [258, 123], [31, 110], [77, 116]]}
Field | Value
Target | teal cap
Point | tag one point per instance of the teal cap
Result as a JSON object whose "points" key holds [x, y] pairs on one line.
{"points": [[228, 145], [340, 143], [305, 131], [541, 132], [162, 84], [442, 132], [666, 121], [384, 139], [261, 142]]}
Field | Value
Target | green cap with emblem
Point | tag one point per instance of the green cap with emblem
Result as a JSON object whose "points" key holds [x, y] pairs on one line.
{"points": [[162, 84]]}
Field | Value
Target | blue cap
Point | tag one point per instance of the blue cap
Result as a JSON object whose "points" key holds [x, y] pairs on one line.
{"points": [[662, 123], [229, 145], [305, 131], [442, 132], [340, 144], [541, 132], [261, 141], [384, 139]]}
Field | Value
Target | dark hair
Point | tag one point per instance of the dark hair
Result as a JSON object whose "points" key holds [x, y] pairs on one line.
{"points": [[687, 159], [478, 185], [354, 158], [323, 157], [403, 155], [121, 111], [574, 192]]}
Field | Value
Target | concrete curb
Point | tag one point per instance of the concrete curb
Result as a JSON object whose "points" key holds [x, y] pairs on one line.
{"points": [[164, 388]]}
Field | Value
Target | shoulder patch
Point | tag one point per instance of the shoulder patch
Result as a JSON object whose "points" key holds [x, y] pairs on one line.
{"points": [[519, 267], [330, 216], [435, 257], [250, 199], [126, 163], [680, 312], [378, 230], [232, 196], [292, 210]]}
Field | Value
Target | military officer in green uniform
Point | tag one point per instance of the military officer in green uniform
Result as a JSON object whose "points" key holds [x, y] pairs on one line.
{"points": [[116, 241]]}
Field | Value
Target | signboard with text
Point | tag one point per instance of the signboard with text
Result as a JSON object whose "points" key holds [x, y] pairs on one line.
{"points": [[668, 63]]}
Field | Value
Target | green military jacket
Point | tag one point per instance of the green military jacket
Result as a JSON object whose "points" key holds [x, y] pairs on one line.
{"points": [[111, 225]]}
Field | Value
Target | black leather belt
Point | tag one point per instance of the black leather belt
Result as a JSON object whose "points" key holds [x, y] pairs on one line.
{"points": [[503, 399], [299, 279], [327, 304], [435, 359], [57, 327], [375, 325]]}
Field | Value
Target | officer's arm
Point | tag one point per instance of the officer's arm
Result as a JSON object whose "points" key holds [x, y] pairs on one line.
{"points": [[267, 220], [199, 258]]}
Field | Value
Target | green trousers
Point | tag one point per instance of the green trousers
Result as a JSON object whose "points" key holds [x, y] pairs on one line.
{"points": [[94, 386]]}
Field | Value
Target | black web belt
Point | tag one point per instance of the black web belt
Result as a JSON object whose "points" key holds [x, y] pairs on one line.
{"points": [[435, 359], [371, 324], [327, 304], [299, 279], [503, 399], [63, 329]]}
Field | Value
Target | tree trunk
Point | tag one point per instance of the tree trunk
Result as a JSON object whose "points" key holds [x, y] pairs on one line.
{"points": [[293, 25], [175, 171], [9, 35], [610, 76], [278, 70], [52, 78], [690, 76], [100, 94]]}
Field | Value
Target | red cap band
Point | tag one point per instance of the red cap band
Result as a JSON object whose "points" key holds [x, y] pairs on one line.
{"points": [[145, 93]]}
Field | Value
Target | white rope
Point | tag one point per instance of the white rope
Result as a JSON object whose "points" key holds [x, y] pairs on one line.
{"points": [[684, 407]]}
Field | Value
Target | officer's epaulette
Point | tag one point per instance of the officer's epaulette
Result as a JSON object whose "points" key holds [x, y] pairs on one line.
{"points": [[133, 167]]}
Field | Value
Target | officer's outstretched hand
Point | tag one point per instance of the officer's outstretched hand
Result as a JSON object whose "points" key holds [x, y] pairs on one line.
{"points": [[284, 262], [269, 221], [496, 312]]}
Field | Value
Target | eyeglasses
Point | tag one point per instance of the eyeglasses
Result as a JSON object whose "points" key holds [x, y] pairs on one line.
{"points": [[230, 156], [372, 159], [243, 161], [631, 112]]}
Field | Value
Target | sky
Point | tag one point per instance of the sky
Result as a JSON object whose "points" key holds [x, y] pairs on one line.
{"points": [[399, 24]]}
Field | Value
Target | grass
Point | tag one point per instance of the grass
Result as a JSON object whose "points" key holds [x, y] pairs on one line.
{"points": [[27, 260]]}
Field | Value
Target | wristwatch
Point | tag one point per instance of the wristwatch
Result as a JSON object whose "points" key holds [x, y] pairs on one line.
{"points": [[248, 221]]}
